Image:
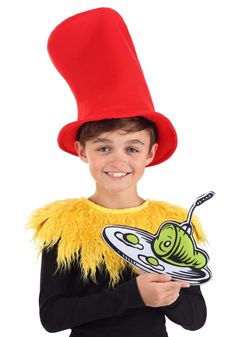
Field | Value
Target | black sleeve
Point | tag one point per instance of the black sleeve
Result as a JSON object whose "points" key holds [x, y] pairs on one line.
{"points": [[61, 308], [189, 310]]}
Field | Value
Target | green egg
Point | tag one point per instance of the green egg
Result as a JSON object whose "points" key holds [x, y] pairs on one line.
{"points": [[131, 238], [152, 260]]}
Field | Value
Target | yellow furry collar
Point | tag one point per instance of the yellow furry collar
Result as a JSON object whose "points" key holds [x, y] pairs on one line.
{"points": [[78, 223]]}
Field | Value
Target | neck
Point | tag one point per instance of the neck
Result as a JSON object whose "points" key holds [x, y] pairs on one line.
{"points": [[117, 200]]}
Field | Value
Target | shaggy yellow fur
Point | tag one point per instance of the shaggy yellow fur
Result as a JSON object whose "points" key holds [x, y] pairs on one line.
{"points": [[78, 223]]}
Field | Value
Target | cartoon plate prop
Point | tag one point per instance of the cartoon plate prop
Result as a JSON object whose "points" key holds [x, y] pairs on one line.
{"points": [[172, 250]]}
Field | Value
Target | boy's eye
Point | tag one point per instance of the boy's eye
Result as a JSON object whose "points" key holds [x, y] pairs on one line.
{"points": [[103, 149], [132, 149], [107, 149]]}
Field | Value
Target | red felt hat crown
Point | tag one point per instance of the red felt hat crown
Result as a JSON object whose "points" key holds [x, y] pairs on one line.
{"points": [[95, 54]]}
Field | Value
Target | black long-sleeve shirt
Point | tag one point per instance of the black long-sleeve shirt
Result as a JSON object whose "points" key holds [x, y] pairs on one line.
{"points": [[96, 310]]}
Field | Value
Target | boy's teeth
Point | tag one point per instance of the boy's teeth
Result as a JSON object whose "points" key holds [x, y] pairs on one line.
{"points": [[116, 174]]}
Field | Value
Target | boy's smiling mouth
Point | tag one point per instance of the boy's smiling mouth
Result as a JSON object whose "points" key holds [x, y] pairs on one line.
{"points": [[117, 174]]}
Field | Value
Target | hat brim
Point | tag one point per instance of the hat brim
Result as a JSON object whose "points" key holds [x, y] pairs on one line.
{"points": [[167, 137]]}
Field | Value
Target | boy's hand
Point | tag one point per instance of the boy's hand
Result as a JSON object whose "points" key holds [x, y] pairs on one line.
{"points": [[158, 290]]}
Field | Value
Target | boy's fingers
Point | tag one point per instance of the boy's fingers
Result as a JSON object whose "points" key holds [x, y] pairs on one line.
{"points": [[164, 278], [167, 278], [184, 284], [139, 272], [159, 278], [181, 284]]}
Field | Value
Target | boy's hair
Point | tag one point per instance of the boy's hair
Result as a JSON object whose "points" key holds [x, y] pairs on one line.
{"points": [[90, 130]]}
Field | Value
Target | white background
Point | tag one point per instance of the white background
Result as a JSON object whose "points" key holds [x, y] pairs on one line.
{"points": [[187, 52]]}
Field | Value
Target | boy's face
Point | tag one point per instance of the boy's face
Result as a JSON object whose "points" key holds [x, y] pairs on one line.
{"points": [[117, 159]]}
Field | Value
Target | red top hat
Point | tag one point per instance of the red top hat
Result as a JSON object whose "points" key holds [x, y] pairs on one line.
{"points": [[95, 54]]}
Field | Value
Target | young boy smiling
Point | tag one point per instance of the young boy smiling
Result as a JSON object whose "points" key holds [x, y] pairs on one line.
{"points": [[84, 285], [117, 159]]}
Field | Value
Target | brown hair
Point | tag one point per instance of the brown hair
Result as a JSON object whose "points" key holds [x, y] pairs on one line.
{"points": [[91, 130]]}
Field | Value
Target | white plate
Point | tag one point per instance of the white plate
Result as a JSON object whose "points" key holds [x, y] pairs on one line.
{"points": [[138, 254]]}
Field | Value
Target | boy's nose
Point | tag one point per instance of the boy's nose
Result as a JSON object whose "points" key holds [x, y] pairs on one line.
{"points": [[117, 156], [118, 161], [117, 164]]}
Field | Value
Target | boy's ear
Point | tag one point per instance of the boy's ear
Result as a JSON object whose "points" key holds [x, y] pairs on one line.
{"points": [[151, 154], [81, 151]]}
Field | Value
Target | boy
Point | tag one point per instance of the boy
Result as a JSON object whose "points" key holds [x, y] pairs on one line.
{"points": [[84, 286]]}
